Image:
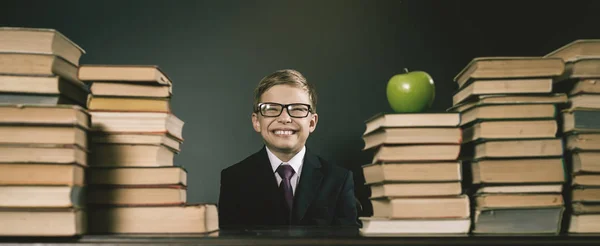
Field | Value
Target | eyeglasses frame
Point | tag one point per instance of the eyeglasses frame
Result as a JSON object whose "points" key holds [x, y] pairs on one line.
{"points": [[283, 106]]}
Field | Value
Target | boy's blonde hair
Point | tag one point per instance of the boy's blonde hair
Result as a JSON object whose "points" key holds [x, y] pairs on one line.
{"points": [[286, 77]]}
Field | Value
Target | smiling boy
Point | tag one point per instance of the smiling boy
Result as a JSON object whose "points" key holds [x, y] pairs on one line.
{"points": [[285, 183]]}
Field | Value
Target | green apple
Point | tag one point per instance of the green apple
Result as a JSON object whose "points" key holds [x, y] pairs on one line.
{"points": [[410, 92]]}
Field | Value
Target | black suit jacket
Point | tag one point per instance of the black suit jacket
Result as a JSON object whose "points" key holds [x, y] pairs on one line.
{"points": [[249, 195]]}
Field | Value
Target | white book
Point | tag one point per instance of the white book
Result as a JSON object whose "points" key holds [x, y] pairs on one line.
{"points": [[381, 226]]}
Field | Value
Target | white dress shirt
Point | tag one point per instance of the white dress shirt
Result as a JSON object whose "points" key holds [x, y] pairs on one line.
{"points": [[296, 163]]}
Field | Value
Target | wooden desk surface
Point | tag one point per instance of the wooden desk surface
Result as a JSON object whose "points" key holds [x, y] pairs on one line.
{"points": [[306, 236]]}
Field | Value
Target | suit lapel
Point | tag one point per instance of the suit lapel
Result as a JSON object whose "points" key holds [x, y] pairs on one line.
{"points": [[310, 181], [264, 177]]}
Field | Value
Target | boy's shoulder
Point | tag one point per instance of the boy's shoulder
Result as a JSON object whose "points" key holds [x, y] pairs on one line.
{"points": [[244, 165]]}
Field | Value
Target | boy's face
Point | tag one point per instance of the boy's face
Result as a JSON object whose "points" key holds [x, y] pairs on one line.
{"points": [[284, 133]]}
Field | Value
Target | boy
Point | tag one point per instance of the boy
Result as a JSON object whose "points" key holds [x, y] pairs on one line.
{"points": [[284, 183]]}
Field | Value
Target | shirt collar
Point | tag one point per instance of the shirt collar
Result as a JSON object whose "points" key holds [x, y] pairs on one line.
{"points": [[295, 162]]}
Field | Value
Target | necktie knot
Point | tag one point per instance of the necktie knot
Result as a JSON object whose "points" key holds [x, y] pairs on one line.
{"points": [[285, 171]]}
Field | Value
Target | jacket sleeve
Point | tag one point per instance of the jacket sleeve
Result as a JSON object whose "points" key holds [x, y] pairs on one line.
{"points": [[227, 201], [346, 212]]}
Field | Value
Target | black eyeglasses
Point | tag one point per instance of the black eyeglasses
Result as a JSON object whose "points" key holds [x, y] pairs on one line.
{"points": [[296, 110]]}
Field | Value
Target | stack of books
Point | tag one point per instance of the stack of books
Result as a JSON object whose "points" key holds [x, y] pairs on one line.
{"points": [[510, 140], [43, 134], [581, 127], [415, 175], [133, 184]]}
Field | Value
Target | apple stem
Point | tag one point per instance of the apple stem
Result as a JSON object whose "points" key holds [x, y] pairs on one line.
{"points": [[406, 70]]}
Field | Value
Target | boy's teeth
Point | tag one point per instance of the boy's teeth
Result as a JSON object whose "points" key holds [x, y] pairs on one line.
{"points": [[283, 132]]}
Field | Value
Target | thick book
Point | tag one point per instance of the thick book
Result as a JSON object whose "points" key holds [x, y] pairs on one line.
{"points": [[517, 148], [137, 138], [584, 223], [518, 221], [520, 188], [554, 98], [581, 120], [129, 104], [584, 101], [37, 153], [410, 189], [136, 195], [585, 208], [591, 179], [38, 99], [27, 134], [39, 41], [508, 112], [512, 201], [123, 73], [130, 122], [421, 207], [585, 86], [583, 68], [129, 89], [583, 142], [509, 67], [44, 115], [516, 171], [394, 227], [55, 222], [49, 86], [585, 162], [413, 135], [389, 120], [503, 86], [510, 129], [126, 155], [413, 172], [576, 50], [42, 174], [191, 218], [41, 196], [21, 64], [420, 152], [585, 194], [136, 176]]}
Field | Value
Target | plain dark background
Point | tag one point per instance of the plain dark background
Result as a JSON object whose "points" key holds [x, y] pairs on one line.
{"points": [[217, 51]]}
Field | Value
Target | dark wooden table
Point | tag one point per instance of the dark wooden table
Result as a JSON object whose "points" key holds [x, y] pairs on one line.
{"points": [[306, 236]]}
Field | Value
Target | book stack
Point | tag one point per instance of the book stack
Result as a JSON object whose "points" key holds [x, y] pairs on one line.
{"points": [[43, 134], [133, 184], [415, 175], [581, 127], [509, 119]]}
